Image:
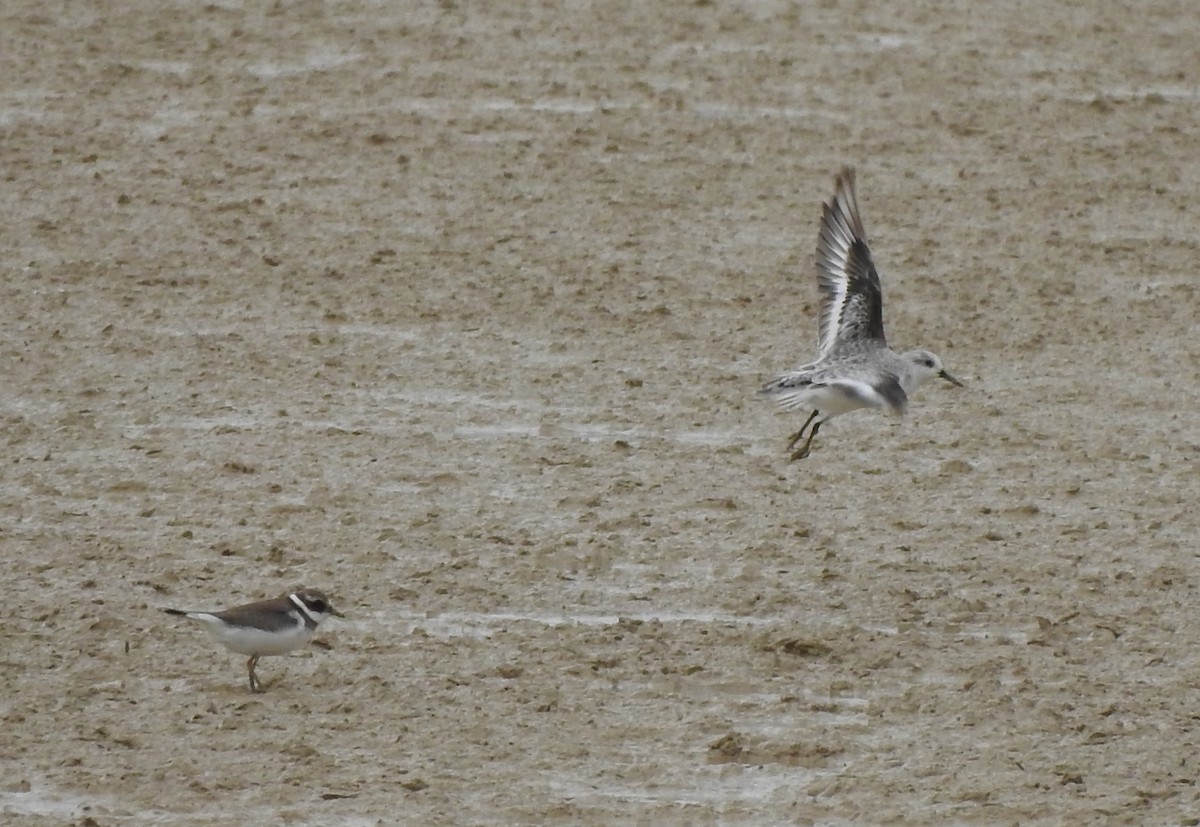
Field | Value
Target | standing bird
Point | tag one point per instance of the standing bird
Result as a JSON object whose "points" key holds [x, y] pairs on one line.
{"points": [[855, 368], [267, 627]]}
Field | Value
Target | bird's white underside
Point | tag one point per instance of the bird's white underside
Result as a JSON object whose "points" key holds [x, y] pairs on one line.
{"points": [[834, 399], [250, 641]]}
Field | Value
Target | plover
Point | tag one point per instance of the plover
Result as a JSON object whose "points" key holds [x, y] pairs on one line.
{"points": [[855, 367], [266, 627]]}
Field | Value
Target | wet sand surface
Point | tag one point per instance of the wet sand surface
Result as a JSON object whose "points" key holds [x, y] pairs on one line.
{"points": [[458, 311]]}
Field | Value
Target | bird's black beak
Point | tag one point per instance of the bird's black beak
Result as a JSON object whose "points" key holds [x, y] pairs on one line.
{"points": [[944, 375]]}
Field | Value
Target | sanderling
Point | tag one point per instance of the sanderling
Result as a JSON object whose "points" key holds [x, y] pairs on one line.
{"points": [[855, 368]]}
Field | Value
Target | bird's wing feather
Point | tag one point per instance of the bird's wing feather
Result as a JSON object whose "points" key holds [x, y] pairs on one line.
{"points": [[252, 614], [838, 390], [851, 296]]}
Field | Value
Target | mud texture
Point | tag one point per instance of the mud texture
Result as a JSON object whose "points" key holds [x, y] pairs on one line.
{"points": [[458, 310]]}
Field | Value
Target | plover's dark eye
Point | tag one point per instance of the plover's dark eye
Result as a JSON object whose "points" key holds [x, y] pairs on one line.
{"points": [[928, 363], [319, 605]]}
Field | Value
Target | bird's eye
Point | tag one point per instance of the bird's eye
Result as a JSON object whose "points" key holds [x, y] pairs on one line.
{"points": [[928, 363], [320, 606]]}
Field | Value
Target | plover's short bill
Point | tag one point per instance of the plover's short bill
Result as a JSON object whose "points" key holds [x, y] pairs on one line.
{"points": [[267, 627], [855, 367]]}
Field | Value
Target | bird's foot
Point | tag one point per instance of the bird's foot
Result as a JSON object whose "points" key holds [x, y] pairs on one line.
{"points": [[802, 453]]}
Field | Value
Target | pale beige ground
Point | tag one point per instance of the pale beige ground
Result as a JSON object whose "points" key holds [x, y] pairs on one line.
{"points": [[458, 311]]}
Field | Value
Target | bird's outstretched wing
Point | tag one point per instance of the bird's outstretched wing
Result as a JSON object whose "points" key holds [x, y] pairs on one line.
{"points": [[851, 298]]}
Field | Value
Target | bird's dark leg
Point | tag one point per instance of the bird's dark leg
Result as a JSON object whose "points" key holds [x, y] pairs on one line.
{"points": [[803, 451], [796, 437], [255, 686]]}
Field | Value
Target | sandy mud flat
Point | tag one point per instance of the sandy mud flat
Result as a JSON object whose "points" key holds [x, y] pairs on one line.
{"points": [[458, 310]]}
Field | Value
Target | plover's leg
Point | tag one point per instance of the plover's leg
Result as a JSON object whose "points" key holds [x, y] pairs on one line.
{"points": [[803, 452], [255, 686], [796, 437]]}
